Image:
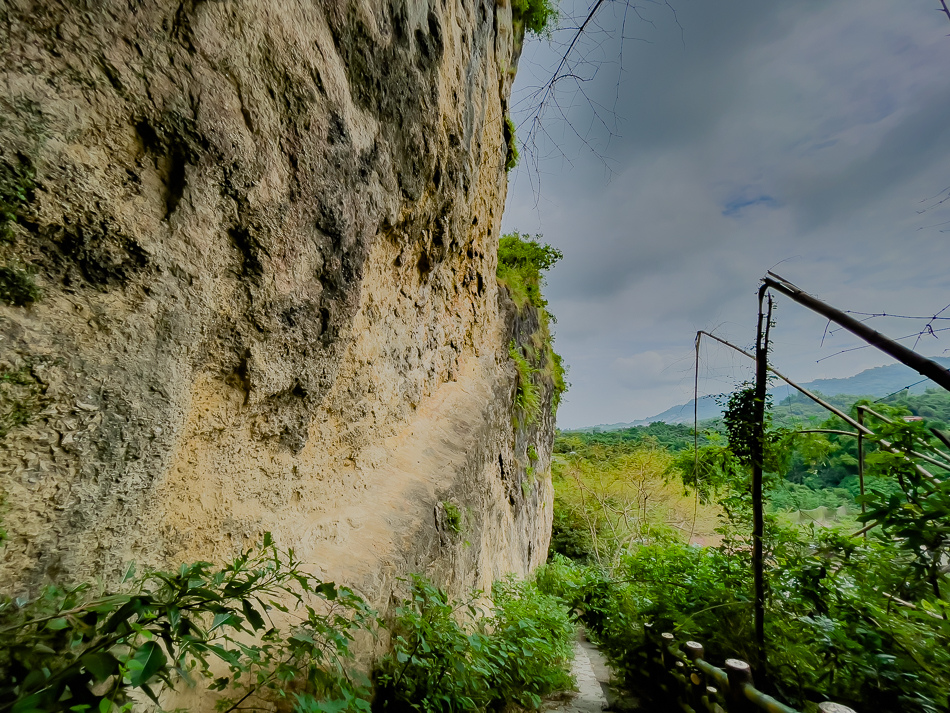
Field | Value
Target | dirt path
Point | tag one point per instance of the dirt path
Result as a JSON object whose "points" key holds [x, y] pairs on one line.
{"points": [[590, 697], [595, 692]]}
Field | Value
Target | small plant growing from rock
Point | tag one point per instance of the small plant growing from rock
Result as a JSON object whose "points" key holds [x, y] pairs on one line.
{"points": [[20, 398], [17, 285], [535, 16], [512, 156], [453, 517], [16, 183], [527, 398]]}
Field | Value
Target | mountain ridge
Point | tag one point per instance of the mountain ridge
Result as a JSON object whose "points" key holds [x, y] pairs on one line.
{"points": [[877, 381]]}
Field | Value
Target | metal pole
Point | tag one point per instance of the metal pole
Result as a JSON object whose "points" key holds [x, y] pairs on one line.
{"points": [[923, 366], [864, 507], [758, 459]]}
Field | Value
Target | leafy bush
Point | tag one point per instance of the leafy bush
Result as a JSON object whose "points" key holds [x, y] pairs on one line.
{"points": [[453, 517], [20, 398], [16, 184], [521, 261], [532, 639], [17, 285], [511, 142], [536, 15], [570, 534], [71, 650], [527, 397], [514, 656]]}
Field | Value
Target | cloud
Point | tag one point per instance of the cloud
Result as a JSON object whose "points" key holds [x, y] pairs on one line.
{"points": [[802, 134], [737, 205]]}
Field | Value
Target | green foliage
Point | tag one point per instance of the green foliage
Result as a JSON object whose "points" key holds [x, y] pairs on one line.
{"points": [[832, 628], [861, 621], [607, 498], [674, 437], [787, 497], [917, 519], [453, 517], [20, 398], [570, 534], [513, 656], [521, 261], [16, 184], [73, 650], [536, 16], [712, 470], [511, 142], [17, 285], [556, 372], [742, 430], [527, 396]]}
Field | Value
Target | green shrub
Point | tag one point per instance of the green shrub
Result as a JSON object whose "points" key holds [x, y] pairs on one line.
{"points": [[521, 261], [513, 656], [532, 638], [833, 630], [72, 650], [453, 517], [511, 142], [537, 16], [570, 534], [16, 183], [17, 285], [527, 397]]}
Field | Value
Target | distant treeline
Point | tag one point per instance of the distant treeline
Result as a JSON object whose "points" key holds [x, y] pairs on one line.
{"points": [[674, 437]]}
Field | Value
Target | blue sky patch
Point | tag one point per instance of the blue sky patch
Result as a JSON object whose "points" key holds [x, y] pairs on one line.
{"points": [[737, 205]]}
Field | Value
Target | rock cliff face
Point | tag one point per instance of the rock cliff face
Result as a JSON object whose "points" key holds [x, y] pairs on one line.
{"points": [[247, 264]]}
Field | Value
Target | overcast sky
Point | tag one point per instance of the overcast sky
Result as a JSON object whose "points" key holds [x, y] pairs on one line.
{"points": [[738, 136]]}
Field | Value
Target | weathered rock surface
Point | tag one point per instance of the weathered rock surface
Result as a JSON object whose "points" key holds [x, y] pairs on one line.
{"points": [[265, 236]]}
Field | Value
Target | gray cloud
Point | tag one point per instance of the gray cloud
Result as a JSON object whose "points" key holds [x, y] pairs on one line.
{"points": [[804, 132]]}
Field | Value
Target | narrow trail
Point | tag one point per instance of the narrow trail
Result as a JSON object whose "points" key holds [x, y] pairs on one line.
{"points": [[594, 690], [590, 697]]}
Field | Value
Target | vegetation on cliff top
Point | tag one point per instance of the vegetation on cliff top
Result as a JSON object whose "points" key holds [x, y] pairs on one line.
{"points": [[535, 16], [521, 264]]}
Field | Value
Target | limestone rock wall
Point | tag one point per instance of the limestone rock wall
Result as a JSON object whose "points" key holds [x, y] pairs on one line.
{"points": [[263, 234]]}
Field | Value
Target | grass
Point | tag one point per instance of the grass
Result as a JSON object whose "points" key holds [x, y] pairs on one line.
{"points": [[521, 261], [17, 285], [527, 397], [536, 16], [453, 517], [19, 399], [512, 156], [16, 183]]}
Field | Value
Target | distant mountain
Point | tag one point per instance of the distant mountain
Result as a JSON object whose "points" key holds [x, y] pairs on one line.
{"points": [[877, 382]]}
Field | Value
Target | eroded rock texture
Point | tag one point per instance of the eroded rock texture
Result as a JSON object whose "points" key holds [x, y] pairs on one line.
{"points": [[264, 233]]}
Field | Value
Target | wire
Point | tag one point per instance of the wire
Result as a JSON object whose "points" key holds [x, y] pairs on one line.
{"points": [[899, 390]]}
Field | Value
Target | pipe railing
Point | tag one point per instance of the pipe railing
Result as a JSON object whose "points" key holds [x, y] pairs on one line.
{"points": [[699, 686]]}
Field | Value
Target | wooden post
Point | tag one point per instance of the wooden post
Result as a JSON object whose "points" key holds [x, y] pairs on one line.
{"points": [[740, 676], [829, 707], [697, 679]]}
